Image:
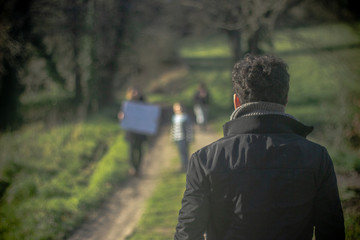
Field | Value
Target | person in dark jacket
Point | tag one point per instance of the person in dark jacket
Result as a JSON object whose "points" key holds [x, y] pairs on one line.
{"points": [[201, 101], [135, 140], [263, 179]]}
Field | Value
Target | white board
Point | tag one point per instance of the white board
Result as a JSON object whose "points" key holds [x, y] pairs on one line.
{"points": [[141, 117]]}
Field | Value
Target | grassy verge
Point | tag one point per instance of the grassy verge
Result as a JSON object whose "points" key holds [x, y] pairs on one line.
{"points": [[160, 217], [55, 175]]}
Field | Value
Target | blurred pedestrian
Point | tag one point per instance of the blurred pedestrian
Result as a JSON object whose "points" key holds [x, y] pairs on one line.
{"points": [[181, 132], [263, 179], [135, 140], [201, 102]]}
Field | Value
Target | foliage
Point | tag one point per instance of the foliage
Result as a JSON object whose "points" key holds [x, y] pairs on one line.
{"points": [[352, 217], [74, 44], [15, 28], [352, 226], [55, 175]]}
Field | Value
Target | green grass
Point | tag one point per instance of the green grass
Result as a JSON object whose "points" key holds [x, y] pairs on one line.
{"points": [[56, 175], [315, 37], [160, 217], [210, 47]]}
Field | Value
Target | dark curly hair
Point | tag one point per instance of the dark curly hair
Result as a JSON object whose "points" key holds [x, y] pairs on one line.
{"points": [[261, 78]]}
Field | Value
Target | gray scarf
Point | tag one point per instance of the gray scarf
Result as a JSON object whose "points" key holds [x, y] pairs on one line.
{"points": [[259, 108]]}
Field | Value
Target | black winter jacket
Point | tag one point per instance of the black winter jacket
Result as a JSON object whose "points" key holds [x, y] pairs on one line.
{"points": [[262, 180]]}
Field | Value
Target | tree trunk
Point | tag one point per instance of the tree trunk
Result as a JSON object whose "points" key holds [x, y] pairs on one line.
{"points": [[253, 43], [79, 92], [75, 23], [235, 43], [13, 56], [106, 47], [10, 91]]}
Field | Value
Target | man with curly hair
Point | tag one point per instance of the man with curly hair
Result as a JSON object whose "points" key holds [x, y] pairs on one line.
{"points": [[263, 179]]}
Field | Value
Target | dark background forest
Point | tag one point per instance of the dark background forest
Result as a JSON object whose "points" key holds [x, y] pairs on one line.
{"points": [[61, 60]]}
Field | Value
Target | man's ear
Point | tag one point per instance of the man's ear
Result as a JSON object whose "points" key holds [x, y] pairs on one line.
{"points": [[236, 101]]}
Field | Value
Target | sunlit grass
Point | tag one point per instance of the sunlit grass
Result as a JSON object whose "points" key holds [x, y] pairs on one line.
{"points": [[211, 47], [56, 175], [160, 217], [321, 36]]}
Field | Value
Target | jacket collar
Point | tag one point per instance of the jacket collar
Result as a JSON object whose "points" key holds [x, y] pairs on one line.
{"points": [[265, 124], [258, 108]]}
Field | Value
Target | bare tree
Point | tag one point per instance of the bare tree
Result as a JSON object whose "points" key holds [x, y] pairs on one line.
{"points": [[108, 23], [248, 19], [75, 13]]}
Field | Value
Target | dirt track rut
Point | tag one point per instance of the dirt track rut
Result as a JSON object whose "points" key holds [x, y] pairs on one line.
{"points": [[119, 215]]}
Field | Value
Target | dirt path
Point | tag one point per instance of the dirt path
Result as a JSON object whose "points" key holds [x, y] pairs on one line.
{"points": [[117, 217]]}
